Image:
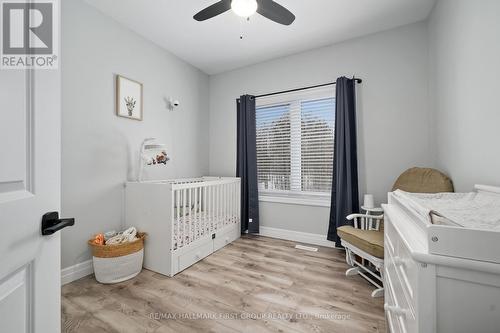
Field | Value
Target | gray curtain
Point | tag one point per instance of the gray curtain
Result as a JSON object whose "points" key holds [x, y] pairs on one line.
{"points": [[345, 197], [246, 167]]}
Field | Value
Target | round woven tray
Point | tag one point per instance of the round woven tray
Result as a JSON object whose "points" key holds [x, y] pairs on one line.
{"points": [[119, 250]]}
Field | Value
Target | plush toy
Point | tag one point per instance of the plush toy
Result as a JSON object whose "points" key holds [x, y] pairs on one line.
{"points": [[162, 158], [99, 239]]}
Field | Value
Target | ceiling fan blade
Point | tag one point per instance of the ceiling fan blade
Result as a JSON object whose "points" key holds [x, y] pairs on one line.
{"points": [[213, 10], [275, 12]]}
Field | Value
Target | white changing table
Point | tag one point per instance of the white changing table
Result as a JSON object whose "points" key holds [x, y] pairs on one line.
{"points": [[442, 279]]}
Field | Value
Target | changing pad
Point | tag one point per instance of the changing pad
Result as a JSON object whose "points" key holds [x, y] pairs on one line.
{"points": [[470, 210]]}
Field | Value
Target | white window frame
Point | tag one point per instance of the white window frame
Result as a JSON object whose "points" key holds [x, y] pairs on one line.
{"points": [[295, 196]]}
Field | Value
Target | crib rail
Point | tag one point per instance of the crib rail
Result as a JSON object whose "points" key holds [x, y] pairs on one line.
{"points": [[201, 206]]}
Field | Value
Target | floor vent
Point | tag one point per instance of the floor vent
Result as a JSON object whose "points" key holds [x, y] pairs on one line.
{"points": [[306, 248]]}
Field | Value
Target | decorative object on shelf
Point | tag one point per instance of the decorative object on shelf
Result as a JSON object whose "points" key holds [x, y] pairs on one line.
{"points": [[151, 154], [128, 98]]}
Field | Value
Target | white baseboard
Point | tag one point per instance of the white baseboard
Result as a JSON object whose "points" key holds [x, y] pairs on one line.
{"points": [[75, 272], [296, 236]]}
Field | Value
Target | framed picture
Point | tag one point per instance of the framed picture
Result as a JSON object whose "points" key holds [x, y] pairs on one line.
{"points": [[128, 98]]}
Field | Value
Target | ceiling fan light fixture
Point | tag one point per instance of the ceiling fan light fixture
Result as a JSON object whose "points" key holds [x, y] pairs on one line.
{"points": [[244, 8]]}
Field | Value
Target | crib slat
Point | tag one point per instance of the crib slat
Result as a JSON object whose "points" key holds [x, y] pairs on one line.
{"points": [[183, 217], [214, 223], [190, 217], [230, 202], [204, 209], [178, 218], [200, 194], [236, 202], [235, 213], [172, 219], [214, 219], [216, 207], [219, 210], [195, 214], [227, 201], [222, 204], [238, 198], [210, 209]]}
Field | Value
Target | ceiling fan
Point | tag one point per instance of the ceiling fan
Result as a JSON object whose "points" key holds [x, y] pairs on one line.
{"points": [[246, 8]]}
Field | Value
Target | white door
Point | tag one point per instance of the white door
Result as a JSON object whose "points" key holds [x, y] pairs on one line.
{"points": [[30, 279]]}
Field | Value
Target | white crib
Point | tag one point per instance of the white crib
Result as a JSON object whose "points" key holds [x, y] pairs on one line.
{"points": [[186, 219]]}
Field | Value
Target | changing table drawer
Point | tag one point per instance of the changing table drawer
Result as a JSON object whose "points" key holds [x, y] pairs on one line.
{"points": [[390, 238], [397, 307], [403, 265], [407, 270], [392, 321], [195, 255]]}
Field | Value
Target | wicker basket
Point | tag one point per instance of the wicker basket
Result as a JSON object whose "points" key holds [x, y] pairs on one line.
{"points": [[117, 263]]}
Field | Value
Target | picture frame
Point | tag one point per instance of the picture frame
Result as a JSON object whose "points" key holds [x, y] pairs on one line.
{"points": [[129, 98]]}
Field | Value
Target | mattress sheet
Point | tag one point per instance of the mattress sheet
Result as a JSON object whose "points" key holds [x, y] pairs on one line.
{"points": [[470, 210]]}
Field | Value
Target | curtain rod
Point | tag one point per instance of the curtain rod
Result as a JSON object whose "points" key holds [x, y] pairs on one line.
{"points": [[357, 80]]}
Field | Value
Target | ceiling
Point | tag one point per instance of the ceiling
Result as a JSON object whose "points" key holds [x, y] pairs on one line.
{"points": [[214, 46]]}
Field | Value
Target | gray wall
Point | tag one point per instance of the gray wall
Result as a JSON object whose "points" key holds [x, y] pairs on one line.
{"points": [[465, 67], [393, 111], [427, 99], [99, 149]]}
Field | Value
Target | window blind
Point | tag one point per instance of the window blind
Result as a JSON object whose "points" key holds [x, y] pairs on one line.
{"points": [[273, 147], [295, 141], [317, 144]]}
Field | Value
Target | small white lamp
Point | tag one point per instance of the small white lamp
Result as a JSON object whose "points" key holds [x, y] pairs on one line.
{"points": [[368, 201]]}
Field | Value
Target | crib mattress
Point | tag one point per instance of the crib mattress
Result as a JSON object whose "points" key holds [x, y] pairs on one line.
{"points": [[190, 227], [470, 210]]}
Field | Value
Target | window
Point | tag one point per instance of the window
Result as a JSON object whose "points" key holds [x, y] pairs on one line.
{"points": [[295, 136]]}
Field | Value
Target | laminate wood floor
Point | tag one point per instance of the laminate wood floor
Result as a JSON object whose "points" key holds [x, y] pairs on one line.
{"points": [[255, 284]]}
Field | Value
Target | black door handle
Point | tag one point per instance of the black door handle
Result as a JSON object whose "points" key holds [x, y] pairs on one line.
{"points": [[51, 223]]}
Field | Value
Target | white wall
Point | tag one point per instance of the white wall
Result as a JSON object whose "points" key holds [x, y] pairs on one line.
{"points": [[99, 151], [464, 41], [393, 111]]}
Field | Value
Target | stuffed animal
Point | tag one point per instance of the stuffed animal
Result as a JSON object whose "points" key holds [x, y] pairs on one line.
{"points": [[162, 158], [99, 239]]}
